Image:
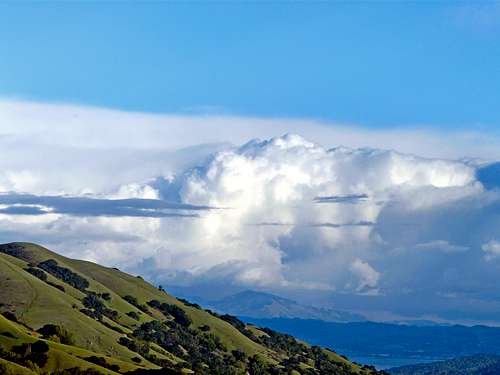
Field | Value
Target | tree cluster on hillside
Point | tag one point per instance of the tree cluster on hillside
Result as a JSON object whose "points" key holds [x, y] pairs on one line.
{"points": [[96, 309], [38, 273], [176, 312], [64, 274], [57, 333], [204, 353], [101, 361], [30, 355], [133, 301]]}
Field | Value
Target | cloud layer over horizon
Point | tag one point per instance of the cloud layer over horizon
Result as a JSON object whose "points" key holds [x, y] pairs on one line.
{"points": [[280, 213]]}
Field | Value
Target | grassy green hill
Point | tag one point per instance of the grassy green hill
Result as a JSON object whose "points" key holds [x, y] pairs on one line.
{"points": [[65, 316]]}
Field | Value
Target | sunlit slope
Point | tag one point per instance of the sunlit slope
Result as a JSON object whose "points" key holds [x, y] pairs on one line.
{"points": [[119, 284], [37, 303], [83, 315], [60, 355]]}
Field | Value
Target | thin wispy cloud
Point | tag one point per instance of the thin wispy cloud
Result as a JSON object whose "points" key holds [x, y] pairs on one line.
{"points": [[317, 225], [343, 225]]}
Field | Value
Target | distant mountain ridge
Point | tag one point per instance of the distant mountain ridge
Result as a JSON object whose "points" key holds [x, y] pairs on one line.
{"points": [[260, 305]]}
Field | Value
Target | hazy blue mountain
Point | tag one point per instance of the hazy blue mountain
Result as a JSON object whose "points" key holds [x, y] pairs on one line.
{"points": [[264, 305], [418, 323], [480, 364]]}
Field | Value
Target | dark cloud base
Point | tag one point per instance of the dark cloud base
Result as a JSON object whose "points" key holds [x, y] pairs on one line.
{"points": [[28, 204], [353, 199]]}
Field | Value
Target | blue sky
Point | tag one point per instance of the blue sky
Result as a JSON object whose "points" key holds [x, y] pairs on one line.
{"points": [[134, 101], [377, 64]]}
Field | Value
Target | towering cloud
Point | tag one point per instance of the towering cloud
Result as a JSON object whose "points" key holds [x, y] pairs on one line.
{"points": [[273, 227], [282, 213]]}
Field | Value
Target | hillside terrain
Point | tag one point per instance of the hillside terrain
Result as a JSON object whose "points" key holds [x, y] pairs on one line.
{"points": [[63, 316], [480, 364]]}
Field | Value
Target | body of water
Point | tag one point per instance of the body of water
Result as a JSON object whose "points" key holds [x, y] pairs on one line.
{"points": [[382, 363]]}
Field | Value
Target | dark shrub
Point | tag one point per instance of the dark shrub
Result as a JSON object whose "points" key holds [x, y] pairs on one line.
{"points": [[60, 287], [256, 366], [39, 347], [239, 325], [92, 314], [164, 363], [204, 328], [187, 303], [95, 308], [14, 250], [106, 296], [35, 353], [64, 274], [110, 326], [10, 316], [111, 314], [138, 346], [133, 301], [92, 301], [125, 341], [133, 315], [154, 303], [22, 350], [175, 311], [234, 321], [51, 331], [239, 355], [37, 272], [114, 367], [101, 361]]}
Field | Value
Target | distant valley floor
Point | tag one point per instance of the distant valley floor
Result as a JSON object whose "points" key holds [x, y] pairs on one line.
{"points": [[390, 345]]}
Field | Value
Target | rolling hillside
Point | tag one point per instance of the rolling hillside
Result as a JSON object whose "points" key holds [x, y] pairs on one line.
{"points": [[64, 316]]}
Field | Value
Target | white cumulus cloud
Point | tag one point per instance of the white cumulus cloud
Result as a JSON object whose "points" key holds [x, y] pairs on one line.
{"points": [[270, 224], [184, 200]]}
